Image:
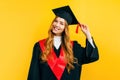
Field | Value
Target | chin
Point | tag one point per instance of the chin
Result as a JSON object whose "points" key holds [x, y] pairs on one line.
{"points": [[56, 32]]}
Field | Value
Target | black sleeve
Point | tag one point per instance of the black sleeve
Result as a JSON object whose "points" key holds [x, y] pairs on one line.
{"points": [[87, 54], [34, 71]]}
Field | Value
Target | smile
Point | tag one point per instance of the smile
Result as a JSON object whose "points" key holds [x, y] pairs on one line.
{"points": [[55, 28]]}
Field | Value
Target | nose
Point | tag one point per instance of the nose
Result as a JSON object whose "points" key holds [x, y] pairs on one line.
{"points": [[57, 24]]}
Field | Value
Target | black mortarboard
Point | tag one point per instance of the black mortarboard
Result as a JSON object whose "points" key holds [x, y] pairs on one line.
{"points": [[66, 13]]}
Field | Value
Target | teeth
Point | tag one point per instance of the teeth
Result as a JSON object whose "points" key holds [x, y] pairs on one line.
{"points": [[56, 28]]}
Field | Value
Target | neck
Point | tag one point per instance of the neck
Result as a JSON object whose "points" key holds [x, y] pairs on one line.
{"points": [[57, 41], [58, 38]]}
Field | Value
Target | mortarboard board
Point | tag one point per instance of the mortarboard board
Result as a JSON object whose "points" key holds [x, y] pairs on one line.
{"points": [[66, 13]]}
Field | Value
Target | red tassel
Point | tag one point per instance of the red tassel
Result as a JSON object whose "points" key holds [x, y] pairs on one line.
{"points": [[78, 27]]}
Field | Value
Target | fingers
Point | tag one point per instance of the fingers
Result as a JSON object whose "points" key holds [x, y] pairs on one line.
{"points": [[83, 26]]}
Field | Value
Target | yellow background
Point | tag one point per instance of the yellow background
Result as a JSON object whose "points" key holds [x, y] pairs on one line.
{"points": [[24, 22]]}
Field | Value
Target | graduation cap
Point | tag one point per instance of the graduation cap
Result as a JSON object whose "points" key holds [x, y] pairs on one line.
{"points": [[66, 13]]}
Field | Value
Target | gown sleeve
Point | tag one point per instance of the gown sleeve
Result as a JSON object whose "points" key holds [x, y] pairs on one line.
{"points": [[87, 54], [34, 70]]}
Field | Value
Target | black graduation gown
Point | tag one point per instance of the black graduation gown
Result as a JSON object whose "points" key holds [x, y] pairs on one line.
{"points": [[41, 71]]}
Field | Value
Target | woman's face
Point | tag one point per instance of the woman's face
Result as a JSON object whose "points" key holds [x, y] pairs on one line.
{"points": [[58, 26]]}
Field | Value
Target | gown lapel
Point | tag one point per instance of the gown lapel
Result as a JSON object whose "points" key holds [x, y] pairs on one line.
{"points": [[56, 64]]}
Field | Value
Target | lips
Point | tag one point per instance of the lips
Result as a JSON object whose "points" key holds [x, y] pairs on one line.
{"points": [[56, 29]]}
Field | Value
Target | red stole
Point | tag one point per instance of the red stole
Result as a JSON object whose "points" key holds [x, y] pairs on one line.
{"points": [[56, 64]]}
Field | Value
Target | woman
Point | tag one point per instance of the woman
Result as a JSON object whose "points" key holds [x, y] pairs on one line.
{"points": [[58, 58]]}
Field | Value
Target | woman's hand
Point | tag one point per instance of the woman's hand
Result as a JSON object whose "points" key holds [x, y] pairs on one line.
{"points": [[85, 30]]}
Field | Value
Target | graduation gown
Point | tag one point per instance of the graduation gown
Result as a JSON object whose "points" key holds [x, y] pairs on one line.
{"points": [[41, 71]]}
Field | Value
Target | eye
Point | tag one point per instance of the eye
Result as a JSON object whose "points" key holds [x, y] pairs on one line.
{"points": [[55, 21], [61, 23]]}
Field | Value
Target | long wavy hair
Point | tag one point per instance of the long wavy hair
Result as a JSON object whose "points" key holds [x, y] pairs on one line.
{"points": [[66, 45]]}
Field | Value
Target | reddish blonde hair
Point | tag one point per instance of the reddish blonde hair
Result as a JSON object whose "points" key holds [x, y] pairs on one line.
{"points": [[66, 44]]}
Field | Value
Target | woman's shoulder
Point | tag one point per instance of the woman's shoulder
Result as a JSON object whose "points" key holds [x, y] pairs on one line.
{"points": [[76, 43], [36, 44], [41, 40]]}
